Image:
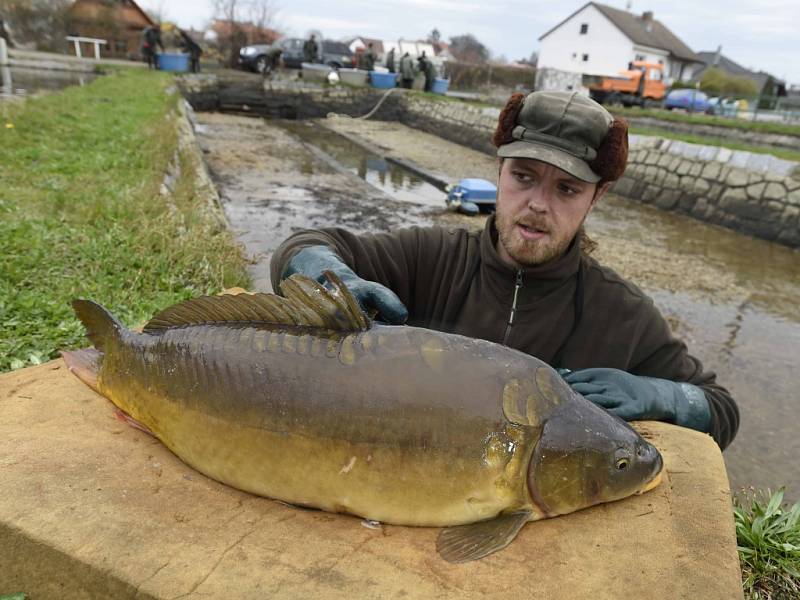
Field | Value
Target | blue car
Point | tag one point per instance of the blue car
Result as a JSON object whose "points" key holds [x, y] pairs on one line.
{"points": [[688, 99]]}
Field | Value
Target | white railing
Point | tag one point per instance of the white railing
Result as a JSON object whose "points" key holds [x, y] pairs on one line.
{"points": [[76, 39]]}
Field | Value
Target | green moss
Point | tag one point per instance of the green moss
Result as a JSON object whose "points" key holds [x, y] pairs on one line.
{"points": [[82, 215]]}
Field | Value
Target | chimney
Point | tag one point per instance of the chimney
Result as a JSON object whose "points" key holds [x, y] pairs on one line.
{"points": [[647, 19], [717, 55]]}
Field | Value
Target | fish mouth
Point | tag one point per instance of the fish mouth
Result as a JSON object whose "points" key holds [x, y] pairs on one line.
{"points": [[655, 481]]}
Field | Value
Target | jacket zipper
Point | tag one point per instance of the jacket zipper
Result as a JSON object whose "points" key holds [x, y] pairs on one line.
{"points": [[517, 288]]}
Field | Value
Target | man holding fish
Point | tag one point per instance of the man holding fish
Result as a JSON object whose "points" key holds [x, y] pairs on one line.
{"points": [[527, 280]]}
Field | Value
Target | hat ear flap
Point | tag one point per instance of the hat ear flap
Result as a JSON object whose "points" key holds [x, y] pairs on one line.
{"points": [[612, 155], [508, 117]]}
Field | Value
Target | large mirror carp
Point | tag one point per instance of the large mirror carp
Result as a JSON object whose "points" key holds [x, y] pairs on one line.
{"points": [[302, 399]]}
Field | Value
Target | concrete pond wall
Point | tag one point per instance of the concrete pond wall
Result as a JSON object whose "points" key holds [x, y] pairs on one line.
{"points": [[755, 194]]}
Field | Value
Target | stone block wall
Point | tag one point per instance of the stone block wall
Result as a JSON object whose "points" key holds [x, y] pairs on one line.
{"points": [[756, 194], [465, 124]]}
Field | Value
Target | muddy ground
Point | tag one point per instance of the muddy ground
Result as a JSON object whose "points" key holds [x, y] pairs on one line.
{"points": [[730, 297]]}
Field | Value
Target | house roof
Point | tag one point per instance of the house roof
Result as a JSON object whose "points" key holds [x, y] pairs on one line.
{"points": [[717, 59], [635, 28], [88, 9]]}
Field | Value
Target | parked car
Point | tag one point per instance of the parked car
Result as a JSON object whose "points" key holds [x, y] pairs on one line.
{"points": [[256, 57], [724, 107], [335, 54], [688, 99]]}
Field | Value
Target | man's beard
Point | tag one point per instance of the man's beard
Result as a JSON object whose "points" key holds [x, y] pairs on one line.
{"points": [[528, 253]]}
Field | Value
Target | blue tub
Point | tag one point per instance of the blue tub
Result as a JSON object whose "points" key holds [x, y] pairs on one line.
{"points": [[177, 63], [472, 196], [383, 80], [440, 86]]}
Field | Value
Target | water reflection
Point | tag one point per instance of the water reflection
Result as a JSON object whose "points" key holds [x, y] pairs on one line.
{"points": [[391, 178], [21, 81]]}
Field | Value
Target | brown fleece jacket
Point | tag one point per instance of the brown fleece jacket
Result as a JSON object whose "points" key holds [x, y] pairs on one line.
{"points": [[454, 280]]}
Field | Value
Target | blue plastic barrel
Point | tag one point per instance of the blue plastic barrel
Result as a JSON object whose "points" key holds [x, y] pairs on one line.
{"points": [[383, 80], [440, 86], [178, 63]]}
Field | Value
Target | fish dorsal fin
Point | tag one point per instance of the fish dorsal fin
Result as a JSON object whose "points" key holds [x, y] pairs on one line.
{"points": [[305, 303]]}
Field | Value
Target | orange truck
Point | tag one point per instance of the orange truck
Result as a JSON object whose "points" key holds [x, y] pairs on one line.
{"points": [[642, 84]]}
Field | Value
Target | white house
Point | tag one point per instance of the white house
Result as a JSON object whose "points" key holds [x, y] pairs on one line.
{"points": [[602, 40]]}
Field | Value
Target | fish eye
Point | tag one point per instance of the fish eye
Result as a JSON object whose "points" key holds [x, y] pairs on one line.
{"points": [[622, 464]]}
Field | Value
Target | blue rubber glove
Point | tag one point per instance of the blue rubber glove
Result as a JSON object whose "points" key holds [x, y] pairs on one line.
{"points": [[315, 260], [635, 398]]}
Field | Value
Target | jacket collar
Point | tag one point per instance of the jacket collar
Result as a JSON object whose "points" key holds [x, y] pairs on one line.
{"points": [[538, 280]]}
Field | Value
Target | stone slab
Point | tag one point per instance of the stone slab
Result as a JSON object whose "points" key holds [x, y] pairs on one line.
{"points": [[92, 508]]}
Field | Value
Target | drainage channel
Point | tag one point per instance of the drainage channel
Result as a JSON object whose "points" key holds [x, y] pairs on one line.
{"points": [[391, 177]]}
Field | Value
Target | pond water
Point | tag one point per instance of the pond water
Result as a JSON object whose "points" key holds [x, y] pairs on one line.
{"points": [[388, 177], [22, 81]]}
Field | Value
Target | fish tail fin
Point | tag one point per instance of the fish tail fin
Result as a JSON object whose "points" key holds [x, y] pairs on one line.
{"points": [[85, 365], [101, 326], [102, 329]]}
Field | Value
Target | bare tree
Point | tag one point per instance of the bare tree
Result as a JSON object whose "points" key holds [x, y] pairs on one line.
{"points": [[467, 48], [242, 22], [230, 36], [159, 14], [40, 23], [262, 14]]}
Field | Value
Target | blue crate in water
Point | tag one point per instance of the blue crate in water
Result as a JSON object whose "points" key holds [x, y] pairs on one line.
{"points": [[383, 80], [440, 86], [177, 63]]}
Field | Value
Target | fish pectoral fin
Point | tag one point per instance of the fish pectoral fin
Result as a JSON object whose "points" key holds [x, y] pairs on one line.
{"points": [[464, 543]]}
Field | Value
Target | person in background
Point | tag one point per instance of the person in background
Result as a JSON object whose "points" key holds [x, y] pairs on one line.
{"points": [[426, 68], [191, 48], [528, 280], [407, 71], [369, 58], [151, 37], [273, 60], [310, 49], [430, 74], [390, 60]]}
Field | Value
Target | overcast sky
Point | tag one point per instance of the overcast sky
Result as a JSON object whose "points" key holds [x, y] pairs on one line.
{"points": [[758, 34]]}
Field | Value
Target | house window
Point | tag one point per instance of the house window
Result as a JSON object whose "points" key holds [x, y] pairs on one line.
{"points": [[639, 57], [585, 58], [584, 28]]}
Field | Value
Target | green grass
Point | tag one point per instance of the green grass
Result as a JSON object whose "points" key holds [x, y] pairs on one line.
{"points": [[712, 141], [768, 535], [81, 214], [703, 119]]}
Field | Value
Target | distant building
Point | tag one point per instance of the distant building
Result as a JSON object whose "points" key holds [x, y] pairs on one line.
{"points": [[602, 40], [414, 48], [359, 44], [766, 84], [119, 22]]}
